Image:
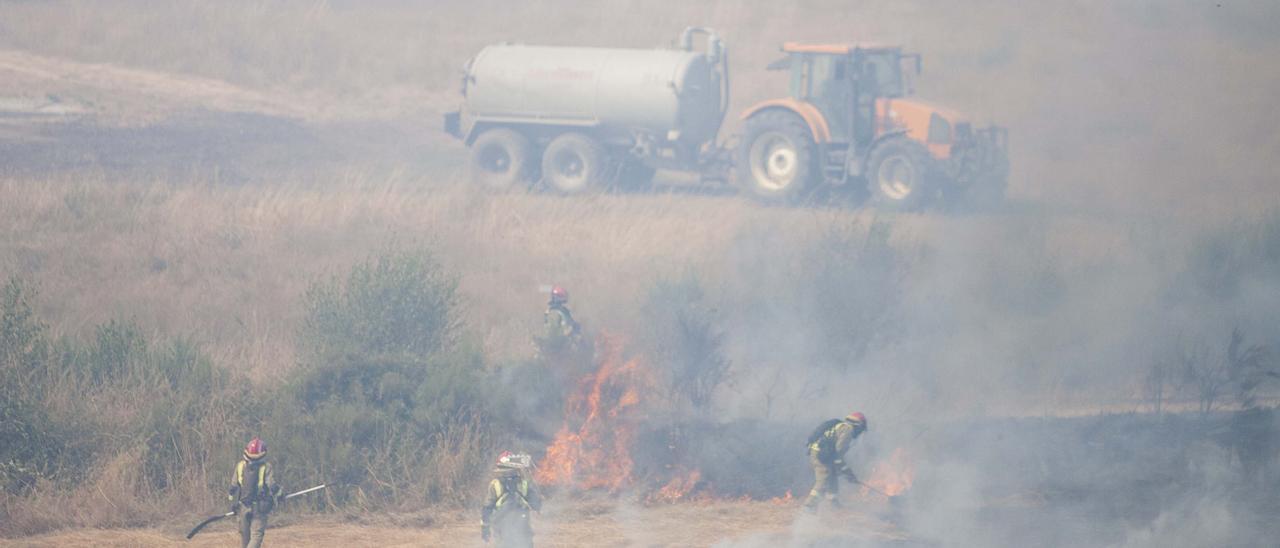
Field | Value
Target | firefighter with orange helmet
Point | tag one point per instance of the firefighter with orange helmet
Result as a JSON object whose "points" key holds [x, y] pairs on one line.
{"points": [[560, 331], [511, 495], [826, 448], [253, 493]]}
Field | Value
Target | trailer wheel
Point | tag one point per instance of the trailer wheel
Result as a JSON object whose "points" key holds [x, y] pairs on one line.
{"points": [[776, 157], [574, 162], [501, 159], [900, 174]]}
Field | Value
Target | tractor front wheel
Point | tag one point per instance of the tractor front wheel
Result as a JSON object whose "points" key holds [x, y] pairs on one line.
{"points": [[900, 174]]}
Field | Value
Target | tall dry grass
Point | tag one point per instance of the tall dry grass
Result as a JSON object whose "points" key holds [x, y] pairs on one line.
{"points": [[1012, 313], [230, 264]]}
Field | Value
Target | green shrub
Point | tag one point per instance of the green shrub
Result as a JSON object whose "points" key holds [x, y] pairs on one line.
{"points": [[28, 451], [392, 304], [30, 444], [385, 379], [24, 345]]}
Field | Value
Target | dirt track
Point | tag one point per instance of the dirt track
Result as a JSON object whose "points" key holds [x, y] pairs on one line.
{"points": [[579, 524]]}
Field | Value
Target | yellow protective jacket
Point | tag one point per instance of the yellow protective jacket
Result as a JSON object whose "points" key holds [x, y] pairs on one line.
{"points": [[559, 330], [509, 490], [834, 443], [251, 483]]}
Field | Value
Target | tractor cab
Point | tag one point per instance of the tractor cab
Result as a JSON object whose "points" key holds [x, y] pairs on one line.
{"points": [[845, 81]]}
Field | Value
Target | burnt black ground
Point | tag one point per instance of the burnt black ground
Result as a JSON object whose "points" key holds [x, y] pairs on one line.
{"points": [[226, 147]]}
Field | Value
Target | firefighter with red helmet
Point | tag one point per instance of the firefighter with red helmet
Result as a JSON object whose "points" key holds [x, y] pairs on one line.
{"points": [[560, 331], [826, 448], [253, 493], [511, 496]]}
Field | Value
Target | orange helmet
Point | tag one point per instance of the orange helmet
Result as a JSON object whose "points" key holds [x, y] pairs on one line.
{"points": [[559, 294], [255, 449], [858, 419]]}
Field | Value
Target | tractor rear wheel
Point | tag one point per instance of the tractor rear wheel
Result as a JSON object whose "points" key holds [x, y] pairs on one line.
{"points": [[900, 174], [777, 157], [574, 162], [501, 159]]}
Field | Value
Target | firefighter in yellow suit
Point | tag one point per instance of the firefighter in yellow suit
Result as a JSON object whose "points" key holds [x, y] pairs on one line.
{"points": [[253, 493], [511, 496], [827, 446]]}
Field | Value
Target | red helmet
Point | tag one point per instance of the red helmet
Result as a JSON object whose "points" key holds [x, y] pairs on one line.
{"points": [[514, 461], [559, 295], [255, 449], [858, 419]]}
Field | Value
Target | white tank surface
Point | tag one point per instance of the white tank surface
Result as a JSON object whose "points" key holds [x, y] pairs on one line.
{"points": [[670, 94]]}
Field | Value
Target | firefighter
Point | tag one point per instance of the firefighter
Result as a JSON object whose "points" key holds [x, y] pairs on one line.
{"points": [[827, 446], [510, 497], [253, 493], [560, 331]]}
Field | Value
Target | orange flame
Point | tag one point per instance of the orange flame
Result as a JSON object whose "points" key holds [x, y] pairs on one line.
{"points": [[679, 488], [892, 476], [604, 414], [597, 453]]}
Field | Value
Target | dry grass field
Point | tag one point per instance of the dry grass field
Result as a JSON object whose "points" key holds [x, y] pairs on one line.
{"points": [[603, 523], [196, 169]]}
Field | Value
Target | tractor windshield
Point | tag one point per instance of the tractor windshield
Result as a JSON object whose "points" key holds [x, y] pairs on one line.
{"points": [[884, 68], [822, 77], [816, 77]]}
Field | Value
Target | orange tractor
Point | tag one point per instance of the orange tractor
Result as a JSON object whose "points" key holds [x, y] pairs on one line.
{"points": [[847, 119], [571, 118]]}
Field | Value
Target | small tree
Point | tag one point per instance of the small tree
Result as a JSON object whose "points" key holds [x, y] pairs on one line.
{"points": [[1247, 367], [1237, 372], [683, 336]]}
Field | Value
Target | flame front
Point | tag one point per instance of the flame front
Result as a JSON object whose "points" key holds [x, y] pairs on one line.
{"points": [[679, 488], [892, 476], [596, 453]]}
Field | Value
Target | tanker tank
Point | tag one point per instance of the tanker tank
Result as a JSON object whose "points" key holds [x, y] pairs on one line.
{"points": [[573, 118], [667, 94]]}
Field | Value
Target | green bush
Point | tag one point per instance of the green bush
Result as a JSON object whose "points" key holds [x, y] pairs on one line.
{"points": [[24, 344], [30, 448], [28, 451], [385, 378], [391, 405], [392, 304]]}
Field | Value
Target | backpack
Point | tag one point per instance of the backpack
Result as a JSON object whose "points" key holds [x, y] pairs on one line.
{"points": [[819, 436], [512, 487]]}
